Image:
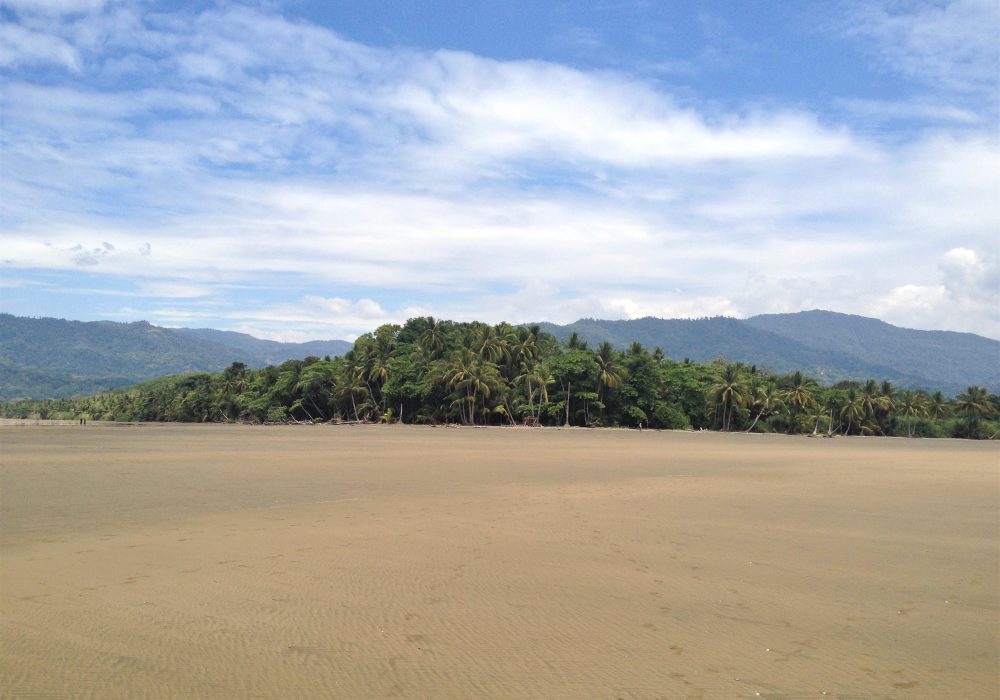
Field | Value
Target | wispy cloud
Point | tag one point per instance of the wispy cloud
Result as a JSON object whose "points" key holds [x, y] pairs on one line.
{"points": [[951, 43]]}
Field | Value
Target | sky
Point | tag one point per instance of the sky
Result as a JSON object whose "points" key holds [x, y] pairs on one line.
{"points": [[310, 170]]}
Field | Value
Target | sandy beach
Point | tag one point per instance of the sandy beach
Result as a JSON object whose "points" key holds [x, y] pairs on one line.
{"points": [[392, 561]]}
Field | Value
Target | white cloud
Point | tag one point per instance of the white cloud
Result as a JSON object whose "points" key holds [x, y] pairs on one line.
{"points": [[53, 7], [241, 148], [23, 46], [966, 298], [951, 43], [913, 109]]}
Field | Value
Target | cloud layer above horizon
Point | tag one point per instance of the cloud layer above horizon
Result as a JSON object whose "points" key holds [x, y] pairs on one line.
{"points": [[252, 169]]}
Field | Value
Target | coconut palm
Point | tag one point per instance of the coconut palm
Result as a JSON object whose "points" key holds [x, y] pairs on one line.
{"points": [[535, 379], [937, 406], [814, 414], [457, 374], [314, 385], [912, 404], [852, 410], [766, 399], [525, 346], [729, 392], [800, 395], [474, 378], [973, 405], [609, 374], [491, 343], [353, 386], [433, 338]]}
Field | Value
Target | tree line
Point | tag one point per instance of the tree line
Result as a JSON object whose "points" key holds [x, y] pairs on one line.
{"points": [[432, 371]]}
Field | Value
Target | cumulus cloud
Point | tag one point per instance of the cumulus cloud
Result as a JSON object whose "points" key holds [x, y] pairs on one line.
{"points": [[967, 297]]}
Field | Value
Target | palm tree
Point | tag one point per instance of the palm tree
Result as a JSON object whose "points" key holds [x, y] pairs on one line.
{"points": [[457, 374], [432, 340], [912, 404], [816, 413], [973, 404], [525, 345], [609, 374], [316, 382], [484, 381], [937, 406], [876, 403], [800, 394], [766, 399], [490, 342], [475, 378], [729, 392], [853, 410], [353, 385], [534, 377]]}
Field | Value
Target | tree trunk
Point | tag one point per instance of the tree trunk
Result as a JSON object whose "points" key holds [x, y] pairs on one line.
{"points": [[319, 412], [569, 388], [750, 429]]}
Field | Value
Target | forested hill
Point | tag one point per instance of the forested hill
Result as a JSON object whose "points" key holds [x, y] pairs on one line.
{"points": [[46, 357], [829, 346], [49, 357]]}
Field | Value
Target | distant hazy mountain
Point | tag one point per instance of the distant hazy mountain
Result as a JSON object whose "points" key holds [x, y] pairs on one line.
{"points": [[826, 345], [48, 357]]}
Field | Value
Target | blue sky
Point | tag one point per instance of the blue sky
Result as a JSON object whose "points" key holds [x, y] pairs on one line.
{"points": [[302, 170]]}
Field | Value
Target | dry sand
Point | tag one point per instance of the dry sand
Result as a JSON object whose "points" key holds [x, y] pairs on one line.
{"points": [[351, 562]]}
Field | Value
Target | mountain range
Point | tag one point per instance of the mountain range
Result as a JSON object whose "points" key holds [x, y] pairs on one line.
{"points": [[47, 357], [826, 345], [51, 358]]}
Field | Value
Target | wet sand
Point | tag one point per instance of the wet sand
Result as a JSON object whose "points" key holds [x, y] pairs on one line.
{"points": [[355, 562]]}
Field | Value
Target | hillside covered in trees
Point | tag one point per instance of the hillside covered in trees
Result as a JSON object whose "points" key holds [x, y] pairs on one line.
{"points": [[51, 357], [430, 371], [829, 346]]}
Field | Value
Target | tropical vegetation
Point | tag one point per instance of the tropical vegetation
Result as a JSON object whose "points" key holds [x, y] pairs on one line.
{"points": [[435, 372]]}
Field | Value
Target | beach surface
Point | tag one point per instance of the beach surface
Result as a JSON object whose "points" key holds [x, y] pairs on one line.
{"points": [[415, 562]]}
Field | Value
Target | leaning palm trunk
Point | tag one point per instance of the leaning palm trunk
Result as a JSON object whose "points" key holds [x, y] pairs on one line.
{"points": [[757, 418]]}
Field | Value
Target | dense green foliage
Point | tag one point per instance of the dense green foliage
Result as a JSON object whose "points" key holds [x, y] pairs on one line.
{"points": [[430, 371], [49, 357], [830, 346]]}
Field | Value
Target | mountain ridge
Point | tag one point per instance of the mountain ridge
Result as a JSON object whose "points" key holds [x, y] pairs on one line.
{"points": [[828, 345], [50, 358]]}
